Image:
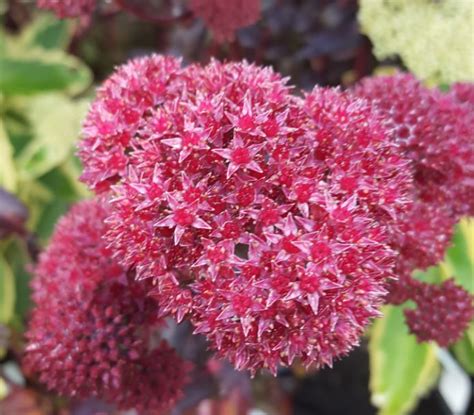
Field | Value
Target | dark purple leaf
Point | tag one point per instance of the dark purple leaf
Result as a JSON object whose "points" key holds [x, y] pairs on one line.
{"points": [[13, 214]]}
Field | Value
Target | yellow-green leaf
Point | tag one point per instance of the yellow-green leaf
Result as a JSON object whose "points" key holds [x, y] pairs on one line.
{"points": [[464, 349], [7, 291], [3, 388], [8, 179], [33, 61], [56, 122], [459, 263], [401, 370], [47, 32]]}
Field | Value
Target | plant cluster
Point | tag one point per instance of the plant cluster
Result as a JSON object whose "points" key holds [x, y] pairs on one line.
{"points": [[434, 130], [234, 224], [274, 223]]}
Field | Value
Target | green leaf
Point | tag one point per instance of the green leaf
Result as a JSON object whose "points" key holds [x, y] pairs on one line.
{"points": [[33, 61], [50, 215], [7, 291], [464, 350], [459, 260], [18, 259], [459, 263], [56, 122], [17, 128], [48, 32], [35, 196], [401, 370], [8, 179], [433, 275], [64, 182], [27, 76]]}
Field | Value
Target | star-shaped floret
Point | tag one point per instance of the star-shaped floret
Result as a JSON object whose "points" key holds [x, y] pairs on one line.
{"points": [[269, 213], [184, 216], [240, 156], [192, 138], [250, 117], [216, 255]]}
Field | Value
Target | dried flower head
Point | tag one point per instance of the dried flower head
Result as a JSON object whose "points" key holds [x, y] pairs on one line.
{"points": [[443, 312], [258, 215], [88, 335], [225, 17], [68, 8]]}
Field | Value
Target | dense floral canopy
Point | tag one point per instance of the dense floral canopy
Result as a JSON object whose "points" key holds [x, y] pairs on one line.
{"points": [[260, 216]]}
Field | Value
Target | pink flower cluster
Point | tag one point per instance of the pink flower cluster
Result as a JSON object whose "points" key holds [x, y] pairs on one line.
{"points": [[435, 132], [272, 222], [262, 217], [89, 332]]}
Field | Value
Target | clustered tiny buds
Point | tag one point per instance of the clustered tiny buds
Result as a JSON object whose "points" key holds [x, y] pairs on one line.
{"points": [[88, 334], [442, 314]]}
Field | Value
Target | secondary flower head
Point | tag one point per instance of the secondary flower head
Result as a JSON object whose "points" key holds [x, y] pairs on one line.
{"points": [[225, 17], [463, 94], [435, 133], [68, 8], [258, 215], [443, 312], [88, 335]]}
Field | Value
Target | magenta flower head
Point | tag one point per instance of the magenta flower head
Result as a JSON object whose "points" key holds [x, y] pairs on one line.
{"points": [[434, 131], [88, 334], [68, 8], [260, 216], [463, 94]]}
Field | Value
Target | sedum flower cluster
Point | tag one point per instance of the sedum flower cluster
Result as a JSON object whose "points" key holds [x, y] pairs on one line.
{"points": [[421, 33], [272, 221], [89, 334], [435, 132], [443, 312], [261, 217]]}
